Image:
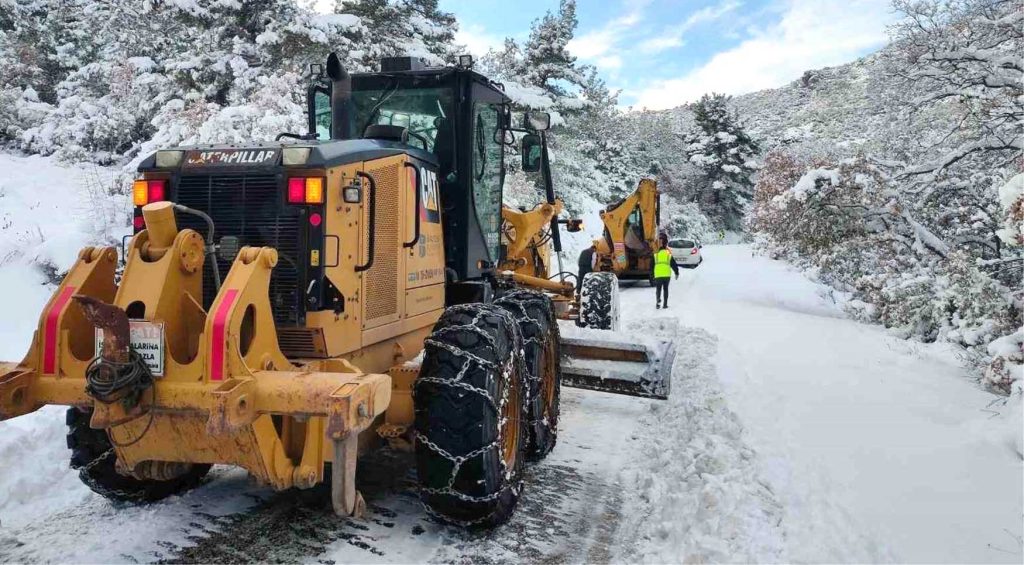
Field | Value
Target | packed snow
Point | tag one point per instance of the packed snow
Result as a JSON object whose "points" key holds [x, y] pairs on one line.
{"points": [[876, 448]]}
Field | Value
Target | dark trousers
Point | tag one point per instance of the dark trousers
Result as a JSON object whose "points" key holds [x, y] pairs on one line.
{"points": [[661, 286]]}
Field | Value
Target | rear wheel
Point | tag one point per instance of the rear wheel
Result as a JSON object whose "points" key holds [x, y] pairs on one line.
{"points": [[536, 316], [599, 301], [470, 426], [93, 455]]}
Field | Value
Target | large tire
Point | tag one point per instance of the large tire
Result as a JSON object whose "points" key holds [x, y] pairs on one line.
{"points": [[541, 344], [470, 427], [93, 455], [599, 302]]}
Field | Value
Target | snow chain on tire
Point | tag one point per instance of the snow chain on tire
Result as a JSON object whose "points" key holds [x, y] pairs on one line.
{"points": [[473, 367], [541, 344], [93, 455], [599, 301]]}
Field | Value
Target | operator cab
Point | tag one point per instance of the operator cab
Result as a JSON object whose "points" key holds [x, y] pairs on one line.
{"points": [[455, 114]]}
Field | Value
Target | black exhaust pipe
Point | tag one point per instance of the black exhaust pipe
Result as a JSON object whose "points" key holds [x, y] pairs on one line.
{"points": [[341, 98]]}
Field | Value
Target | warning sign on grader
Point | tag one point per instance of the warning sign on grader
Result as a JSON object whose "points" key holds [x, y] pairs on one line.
{"points": [[147, 340]]}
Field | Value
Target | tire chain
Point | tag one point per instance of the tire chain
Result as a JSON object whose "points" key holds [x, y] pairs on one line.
{"points": [[519, 299], [83, 473], [506, 376]]}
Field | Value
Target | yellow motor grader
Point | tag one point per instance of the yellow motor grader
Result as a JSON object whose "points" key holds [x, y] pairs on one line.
{"points": [[287, 306], [631, 230], [530, 239]]}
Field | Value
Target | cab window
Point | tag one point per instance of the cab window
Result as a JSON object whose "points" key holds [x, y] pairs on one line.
{"points": [[488, 171], [322, 113]]}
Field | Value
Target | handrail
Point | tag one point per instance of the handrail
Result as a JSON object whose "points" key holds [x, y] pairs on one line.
{"points": [[419, 202], [373, 221]]}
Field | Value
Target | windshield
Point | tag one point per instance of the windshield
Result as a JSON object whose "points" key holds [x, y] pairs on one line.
{"points": [[422, 111]]}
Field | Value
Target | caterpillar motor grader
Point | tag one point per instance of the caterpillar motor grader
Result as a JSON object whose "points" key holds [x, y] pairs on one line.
{"points": [[286, 306], [630, 233], [530, 239]]}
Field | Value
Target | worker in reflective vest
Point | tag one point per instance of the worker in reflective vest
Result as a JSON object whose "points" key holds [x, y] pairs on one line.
{"points": [[664, 266]]}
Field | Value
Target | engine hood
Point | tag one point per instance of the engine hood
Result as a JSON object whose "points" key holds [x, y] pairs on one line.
{"points": [[322, 154]]}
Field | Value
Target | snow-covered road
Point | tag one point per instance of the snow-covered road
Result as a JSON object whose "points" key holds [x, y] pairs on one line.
{"points": [[792, 434], [876, 448]]}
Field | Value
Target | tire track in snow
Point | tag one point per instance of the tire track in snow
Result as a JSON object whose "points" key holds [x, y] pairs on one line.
{"points": [[569, 511]]}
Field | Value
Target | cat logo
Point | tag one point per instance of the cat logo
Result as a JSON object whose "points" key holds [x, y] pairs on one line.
{"points": [[429, 212]]}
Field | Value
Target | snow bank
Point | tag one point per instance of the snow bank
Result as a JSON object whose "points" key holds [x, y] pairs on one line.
{"points": [[47, 215], [49, 211], [695, 494]]}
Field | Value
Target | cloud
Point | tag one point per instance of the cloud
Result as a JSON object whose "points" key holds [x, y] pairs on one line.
{"points": [[609, 62], [477, 40], [596, 43], [673, 37], [811, 34]]}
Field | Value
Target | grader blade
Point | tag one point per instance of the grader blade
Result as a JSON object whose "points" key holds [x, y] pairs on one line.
{"points": [[634, 369]]}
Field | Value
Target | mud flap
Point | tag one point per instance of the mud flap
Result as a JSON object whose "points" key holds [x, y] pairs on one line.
{"points": [[634, 369]]}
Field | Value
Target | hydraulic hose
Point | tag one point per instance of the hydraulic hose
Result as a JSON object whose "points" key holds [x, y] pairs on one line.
{"points": [[209, 249]]}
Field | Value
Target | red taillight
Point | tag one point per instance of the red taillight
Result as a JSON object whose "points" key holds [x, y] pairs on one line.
{"points": [[157, 190], [306, 190], [151, 190], [139, 222], [297, 191], [315, 219], [693, 251]]}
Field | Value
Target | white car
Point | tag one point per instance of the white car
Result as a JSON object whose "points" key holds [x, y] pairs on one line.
{"points": [[686, 252]]}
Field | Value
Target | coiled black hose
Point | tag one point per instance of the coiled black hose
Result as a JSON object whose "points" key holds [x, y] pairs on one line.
{"points": [[109, 381]]}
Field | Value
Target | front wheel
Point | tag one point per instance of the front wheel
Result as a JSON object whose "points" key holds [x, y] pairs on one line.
{"points": [[599, 301], [470, 426]]}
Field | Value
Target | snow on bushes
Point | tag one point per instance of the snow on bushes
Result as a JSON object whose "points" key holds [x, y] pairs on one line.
{"points": [[850, 224]]}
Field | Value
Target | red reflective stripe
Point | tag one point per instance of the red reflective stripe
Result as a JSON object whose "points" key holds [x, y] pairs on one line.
{"points": [[220, 324], [51, 327]]}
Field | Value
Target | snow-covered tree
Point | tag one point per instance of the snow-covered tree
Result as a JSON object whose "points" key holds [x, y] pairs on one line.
{"points": [[106, 80], [401, 27], [720, 147]]}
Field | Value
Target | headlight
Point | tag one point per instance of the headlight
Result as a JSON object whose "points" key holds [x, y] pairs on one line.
{"points": [[168, 159], [295, 155], [351, 194]]}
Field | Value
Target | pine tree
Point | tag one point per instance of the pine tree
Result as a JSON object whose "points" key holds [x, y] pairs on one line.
{"points": [[724, 153], [548, 64], [391, 28]]}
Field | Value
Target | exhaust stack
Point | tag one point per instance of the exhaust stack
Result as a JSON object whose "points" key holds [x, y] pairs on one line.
{"points": [[341, 98]]}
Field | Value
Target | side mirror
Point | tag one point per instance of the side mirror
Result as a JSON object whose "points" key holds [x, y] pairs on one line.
{"points": [[504, 137], [316, 70], [537, 121], [532, 153]]}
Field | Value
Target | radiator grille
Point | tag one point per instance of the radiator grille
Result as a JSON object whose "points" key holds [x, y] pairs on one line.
{"points": [[249, 207], [381, 282], [302, 342]]}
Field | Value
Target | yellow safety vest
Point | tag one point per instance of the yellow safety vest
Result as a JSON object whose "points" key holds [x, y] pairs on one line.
{"points": [[663, 264]]}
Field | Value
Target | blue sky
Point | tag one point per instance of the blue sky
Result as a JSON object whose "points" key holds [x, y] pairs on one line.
{"points": [[663, 53]]}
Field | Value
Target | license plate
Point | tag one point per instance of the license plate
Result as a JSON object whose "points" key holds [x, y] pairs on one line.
{"points": [[147, 340]]}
